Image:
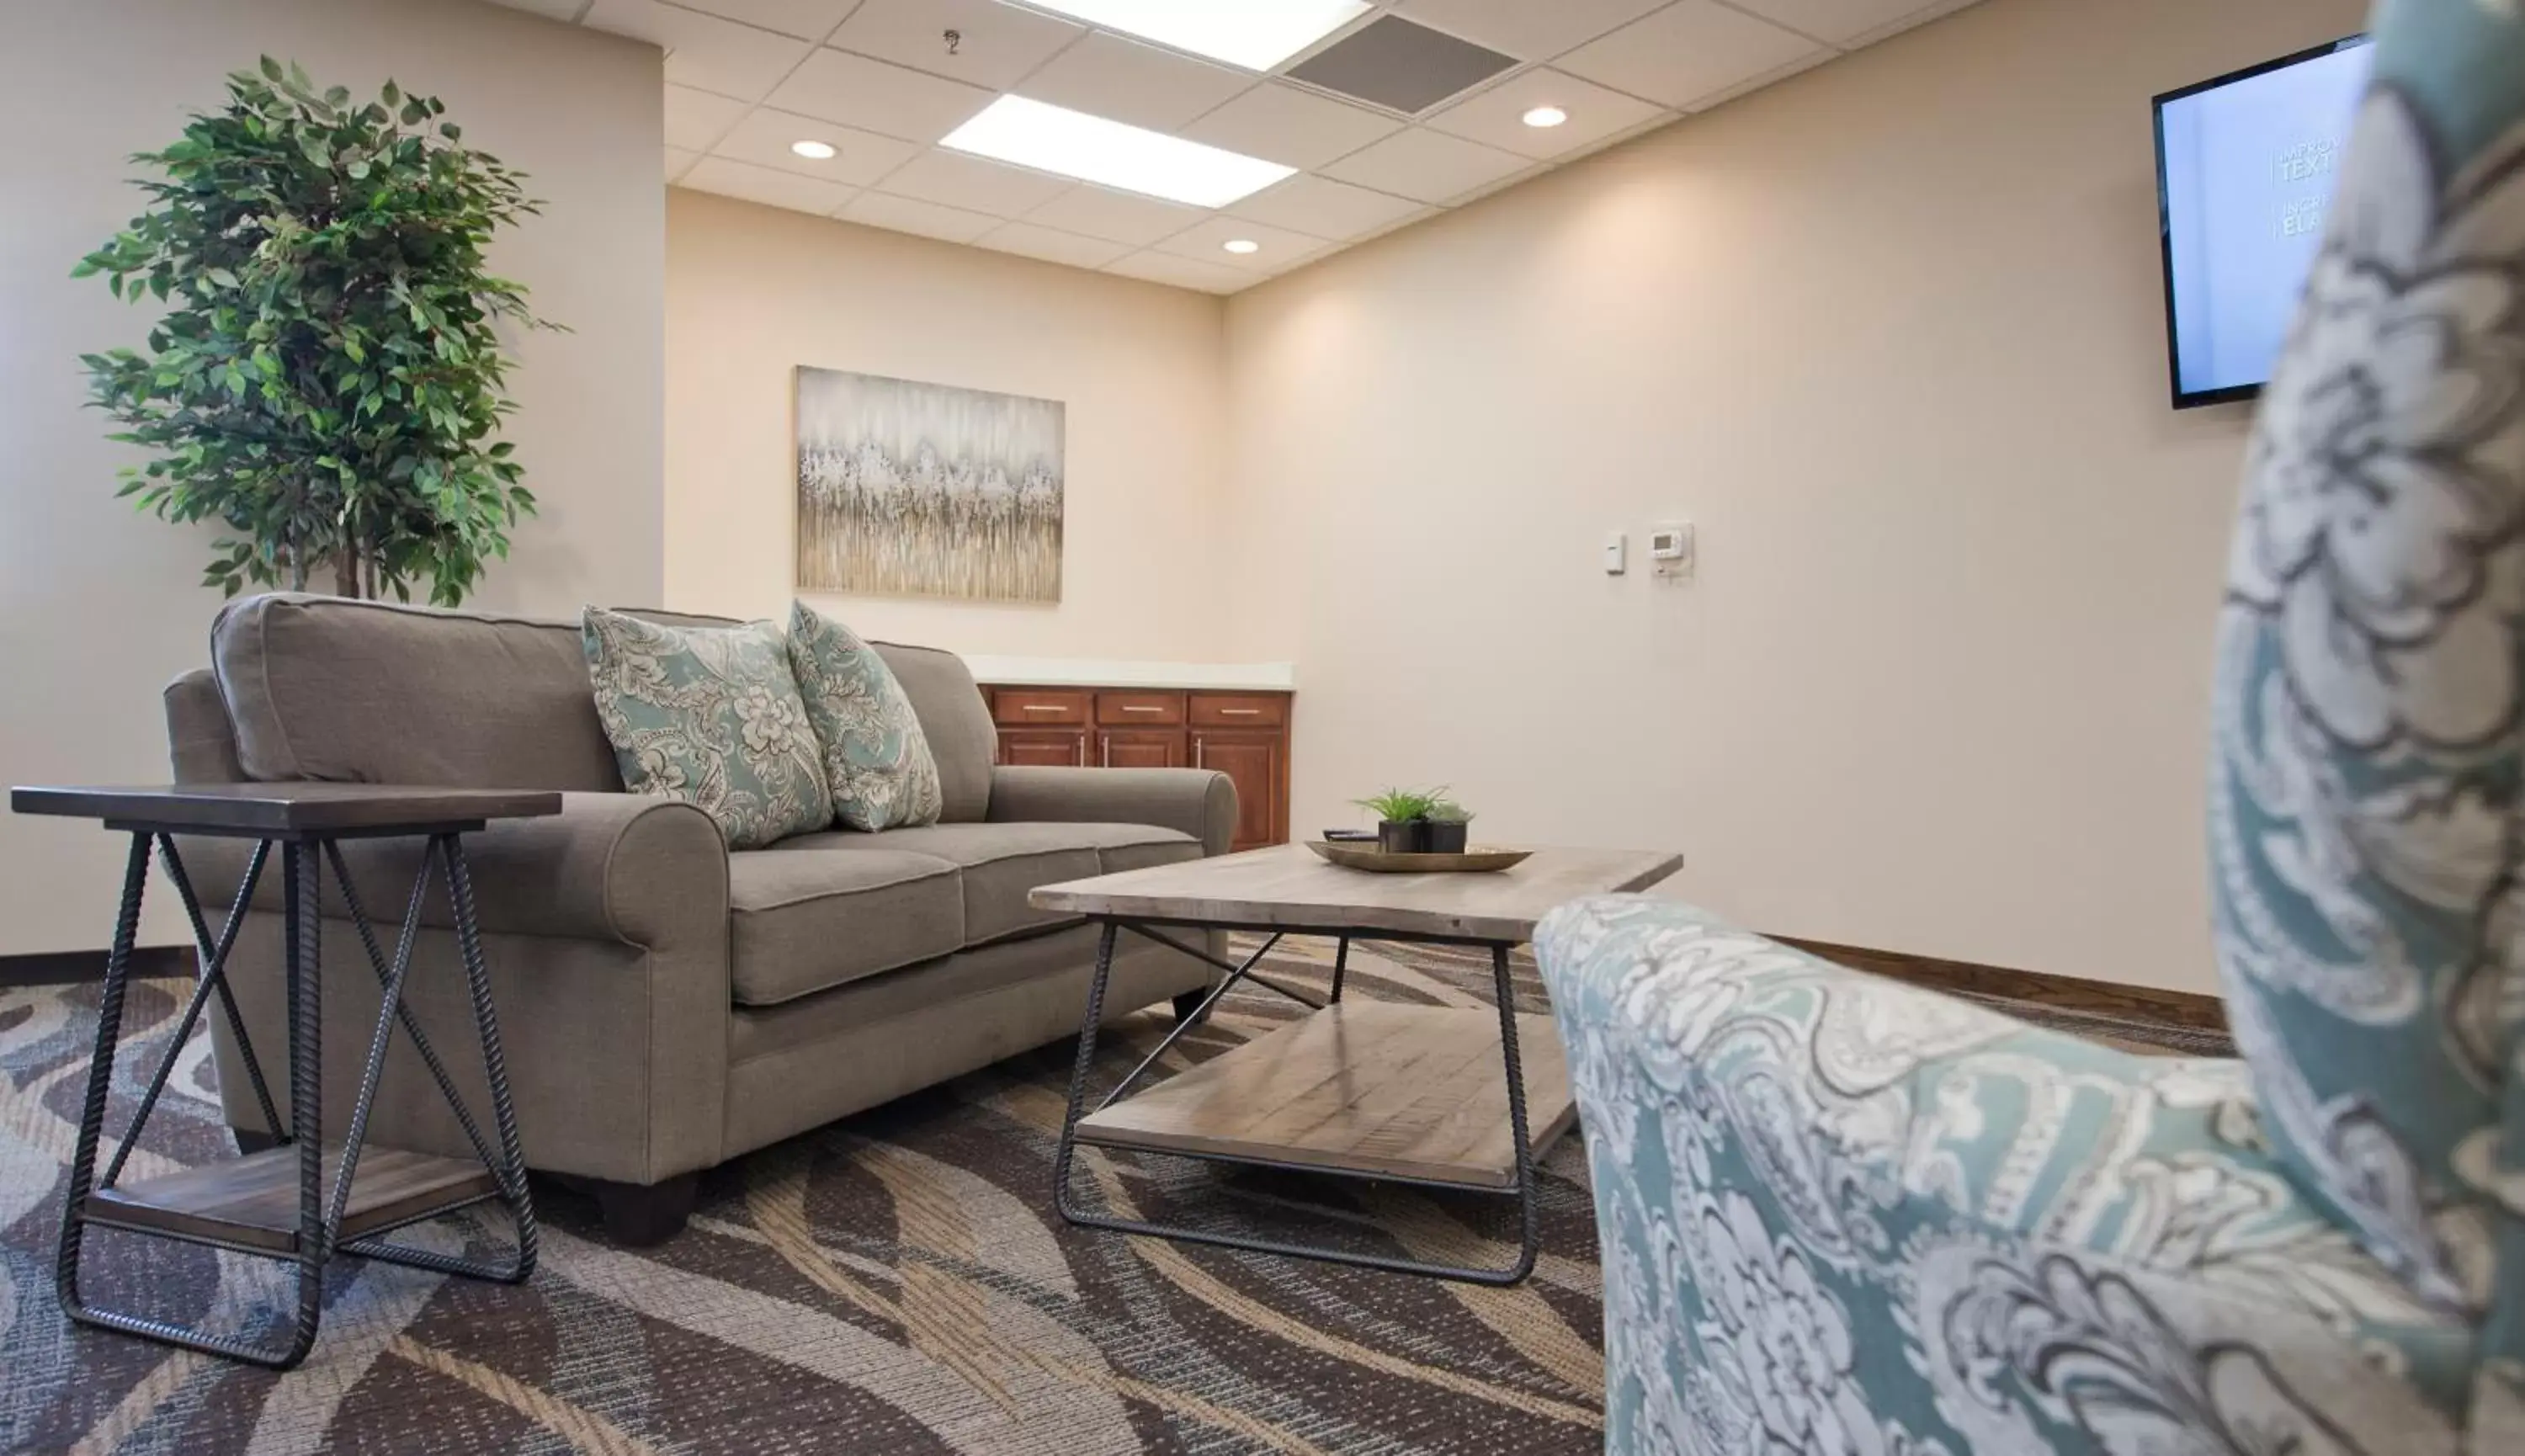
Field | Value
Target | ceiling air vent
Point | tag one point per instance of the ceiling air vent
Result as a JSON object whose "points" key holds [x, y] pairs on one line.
{"points": [[1400, 66]]}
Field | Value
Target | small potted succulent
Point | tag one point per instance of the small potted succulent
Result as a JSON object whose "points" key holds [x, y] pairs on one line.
{"points": [[1444, 830], [1402, 818]]}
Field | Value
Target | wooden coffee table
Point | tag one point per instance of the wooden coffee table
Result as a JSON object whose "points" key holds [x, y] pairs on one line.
{"points": [[1438, 1096]]}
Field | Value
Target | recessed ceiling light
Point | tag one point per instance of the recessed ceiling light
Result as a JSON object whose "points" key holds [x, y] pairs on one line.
{"points": [[814, 151], [1073, 143], [1256, 35], [1545, 116], [1242, 245]]}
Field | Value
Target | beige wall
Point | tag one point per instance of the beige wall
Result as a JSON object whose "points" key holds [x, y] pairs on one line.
{"points": [[98, 606], [1890, 335], [752, 292]]}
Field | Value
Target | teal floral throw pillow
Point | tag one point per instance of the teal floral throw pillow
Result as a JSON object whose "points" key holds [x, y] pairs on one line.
{"points": [[710, 715], [875, 760]]}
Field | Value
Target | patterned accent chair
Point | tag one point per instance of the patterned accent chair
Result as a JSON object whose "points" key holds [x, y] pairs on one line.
{"points": [[1840, 1215]]}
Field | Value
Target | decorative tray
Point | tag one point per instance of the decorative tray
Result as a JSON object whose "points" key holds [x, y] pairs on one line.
{"points": [[1478, 859]]}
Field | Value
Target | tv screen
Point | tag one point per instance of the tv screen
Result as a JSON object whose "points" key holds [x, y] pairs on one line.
{"points": [[2244, 170]]}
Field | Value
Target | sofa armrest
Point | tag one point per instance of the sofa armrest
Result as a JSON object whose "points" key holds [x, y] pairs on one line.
{"points": [[627, 868], [1197, 801]]}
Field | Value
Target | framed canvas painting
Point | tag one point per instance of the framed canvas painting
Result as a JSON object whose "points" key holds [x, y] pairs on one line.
{"points": [[913, 489]]}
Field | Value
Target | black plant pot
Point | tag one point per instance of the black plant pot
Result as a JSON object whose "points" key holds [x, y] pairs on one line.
{"points": [[1444, 837], [1403, 836]]}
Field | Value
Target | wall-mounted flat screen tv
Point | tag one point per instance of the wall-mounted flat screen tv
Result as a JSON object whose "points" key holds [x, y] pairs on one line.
{"points": [[2244, 170]]}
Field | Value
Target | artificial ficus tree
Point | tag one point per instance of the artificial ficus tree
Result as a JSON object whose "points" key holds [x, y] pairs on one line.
{"points": [[328, 378]]}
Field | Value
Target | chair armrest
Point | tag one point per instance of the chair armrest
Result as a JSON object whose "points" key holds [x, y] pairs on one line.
{"points": [[629, 868], [1197, 801], [2009, 1237]]}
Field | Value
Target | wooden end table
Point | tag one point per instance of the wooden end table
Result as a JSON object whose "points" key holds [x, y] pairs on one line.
{"points": [[1436, 1096], [304, 1200]]}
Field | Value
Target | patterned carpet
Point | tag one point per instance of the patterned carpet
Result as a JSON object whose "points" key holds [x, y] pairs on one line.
{"points": [[895, 1283]]}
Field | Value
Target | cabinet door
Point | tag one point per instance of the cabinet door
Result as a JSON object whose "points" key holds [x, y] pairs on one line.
{"points": [[1058, 748], [1255, 761], [1140, 748]]}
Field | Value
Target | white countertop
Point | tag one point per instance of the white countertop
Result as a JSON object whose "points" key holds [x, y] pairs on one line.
{"points": [[1081, 672]]}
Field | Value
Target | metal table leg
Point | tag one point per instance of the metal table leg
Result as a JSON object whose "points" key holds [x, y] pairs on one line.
{"points": [[1529, 1221], [320, 1220]]}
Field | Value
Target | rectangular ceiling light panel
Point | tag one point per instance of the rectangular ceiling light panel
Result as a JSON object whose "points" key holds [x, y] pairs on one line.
{"points": [[1092, 149], [1256, 35]]}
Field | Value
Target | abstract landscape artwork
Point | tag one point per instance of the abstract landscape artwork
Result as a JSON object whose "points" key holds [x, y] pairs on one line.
{"points": [[913, 489]]}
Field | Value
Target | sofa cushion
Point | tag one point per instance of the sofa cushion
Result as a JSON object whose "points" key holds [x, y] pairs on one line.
{"points": [[1002, 862], [955, 721], [331, 688], [876, 759], [710, 716], [802, 922]]}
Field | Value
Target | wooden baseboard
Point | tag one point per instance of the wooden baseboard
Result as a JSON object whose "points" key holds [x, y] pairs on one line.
{"points": [[2063, 992], [66, 967]]}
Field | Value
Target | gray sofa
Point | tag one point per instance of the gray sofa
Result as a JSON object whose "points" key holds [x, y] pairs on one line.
{"points": [[666, 1005]]}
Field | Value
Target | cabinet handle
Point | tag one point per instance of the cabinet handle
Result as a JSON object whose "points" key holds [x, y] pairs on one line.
{"points": [[1107, 744], [1042, 708], [1240, 712], [1140, 708], [1080, 761], [1196, 751]]}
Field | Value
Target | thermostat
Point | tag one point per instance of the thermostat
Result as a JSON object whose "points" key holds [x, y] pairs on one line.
{"points": [[1670, 548]]}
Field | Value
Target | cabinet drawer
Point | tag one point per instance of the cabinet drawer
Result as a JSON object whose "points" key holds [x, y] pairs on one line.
{"points": [[1140, 709], [1020, 706], [1238, 709]]}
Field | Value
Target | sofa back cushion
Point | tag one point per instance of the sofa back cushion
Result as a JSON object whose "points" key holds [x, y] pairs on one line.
{"points": [[955, 721], [329, 688]]}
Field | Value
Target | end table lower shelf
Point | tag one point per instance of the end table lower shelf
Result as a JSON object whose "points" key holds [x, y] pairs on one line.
{"points": [[1372, 1089], [251, 1202]]}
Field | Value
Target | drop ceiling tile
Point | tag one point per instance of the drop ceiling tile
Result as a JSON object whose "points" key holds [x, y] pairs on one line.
{"points": [[1769, 78], [998, 43], [1834, 21], [1120, 217], [764, 184], [1182, 273], [860, 158], [1937, 12], [703, 50], [837, 86], [1429, 166], [1107, 75], [1296, 128], [1688, 51], [697, 120], [677, 159], [1533, 29], [808, 20], [1280, 249], [1052, 246], [974, 184], [910, 215], [1323, 208], [1496, 116]]}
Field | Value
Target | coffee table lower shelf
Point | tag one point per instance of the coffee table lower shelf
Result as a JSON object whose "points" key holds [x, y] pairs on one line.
{"points": [[1366, 1089], [251, 1202]]}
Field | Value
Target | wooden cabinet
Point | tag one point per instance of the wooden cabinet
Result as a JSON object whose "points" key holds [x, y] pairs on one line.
{"points": [[1244, 735], [1258, 762], [1050, 748]]}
